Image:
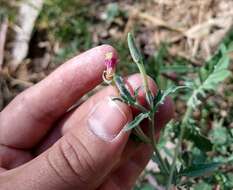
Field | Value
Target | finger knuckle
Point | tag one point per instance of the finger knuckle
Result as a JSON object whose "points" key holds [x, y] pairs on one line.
{"points": [[78, 159]]}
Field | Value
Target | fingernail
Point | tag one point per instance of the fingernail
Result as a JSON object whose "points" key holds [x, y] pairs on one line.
{"points": [[107, 119]]}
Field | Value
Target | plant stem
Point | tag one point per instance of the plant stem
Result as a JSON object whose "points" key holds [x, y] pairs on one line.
{"points": [[142, 135], [152, 119], [153, 142], [182, 129], [149, 99]]}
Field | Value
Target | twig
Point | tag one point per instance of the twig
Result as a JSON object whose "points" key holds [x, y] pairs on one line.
{"points": [[3, 33], [174, 53], [158, 22], [200, 30], [152, 19]]}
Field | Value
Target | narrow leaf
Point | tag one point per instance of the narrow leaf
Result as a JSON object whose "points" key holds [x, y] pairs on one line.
{"points": [[215, 78], [198, 139], [223, 63], [137, 120], [161, 95], [200, 169], [125, 94], [135, 53], [136, 92], [176, 69]]}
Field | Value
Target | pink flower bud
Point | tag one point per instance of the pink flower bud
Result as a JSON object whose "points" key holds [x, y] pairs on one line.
{"points": [[110, 61]]}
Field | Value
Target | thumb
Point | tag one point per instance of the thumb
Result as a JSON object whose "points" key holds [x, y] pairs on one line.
{"points": [[83, 157]]}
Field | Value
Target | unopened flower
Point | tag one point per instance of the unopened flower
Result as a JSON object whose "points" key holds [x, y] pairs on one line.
{"points": [[110, 63]]}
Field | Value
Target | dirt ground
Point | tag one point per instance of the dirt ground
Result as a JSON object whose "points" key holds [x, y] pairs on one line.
{"points": [[193, 30]]}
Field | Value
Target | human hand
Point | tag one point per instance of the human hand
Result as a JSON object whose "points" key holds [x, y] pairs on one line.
{"points": [[45, 147]]}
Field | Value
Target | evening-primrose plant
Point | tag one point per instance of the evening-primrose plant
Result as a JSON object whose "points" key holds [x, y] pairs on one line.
{"points": [[153, 101], [209, 76]]}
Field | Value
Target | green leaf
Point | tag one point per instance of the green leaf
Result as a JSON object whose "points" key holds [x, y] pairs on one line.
{"points": [[200, 169], [223, 63], [112, 12], [176, 69], [193, 134], [201, 142], [218, 135], [215, 78], [124, 93], [135, 53], [173, 89], [202, 186], [161, 95], [210, 76], [147, 187], [136, 92], [137, 120], [218, 74]]}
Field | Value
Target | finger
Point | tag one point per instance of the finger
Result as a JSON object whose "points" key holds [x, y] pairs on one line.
{"points": [[30, 115], [164, 114], [136, 156], [126, 175], [133, 82], [11, 158], [83, 157], [2, 170]]}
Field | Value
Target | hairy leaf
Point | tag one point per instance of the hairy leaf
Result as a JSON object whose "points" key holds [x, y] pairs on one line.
{"points": [[135, 53], [209, 79], [161, 95], [136, 92], [202, 186], [176, 69], [200, 169], [215, 78], [193, 134], [124, 93], [137, 120]]}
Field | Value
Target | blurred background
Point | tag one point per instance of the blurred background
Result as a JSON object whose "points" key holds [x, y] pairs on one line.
{"points": [[176, 37]]}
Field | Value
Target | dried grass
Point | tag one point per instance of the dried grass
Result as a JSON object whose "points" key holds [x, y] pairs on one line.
{"points": [[193, 28]]}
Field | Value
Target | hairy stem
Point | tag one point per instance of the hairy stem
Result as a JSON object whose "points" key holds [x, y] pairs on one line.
{"points": [[152, 119], [142, 135], [182, 129], [153, 142]]}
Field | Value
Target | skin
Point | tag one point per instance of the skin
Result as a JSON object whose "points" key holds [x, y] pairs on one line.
{"points": [[45, 147]]}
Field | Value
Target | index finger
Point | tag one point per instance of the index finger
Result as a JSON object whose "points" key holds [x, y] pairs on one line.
{"points": [[31, 114]]}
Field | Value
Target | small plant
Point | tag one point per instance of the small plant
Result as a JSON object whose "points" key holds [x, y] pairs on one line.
{"points": [[209, 76]]}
